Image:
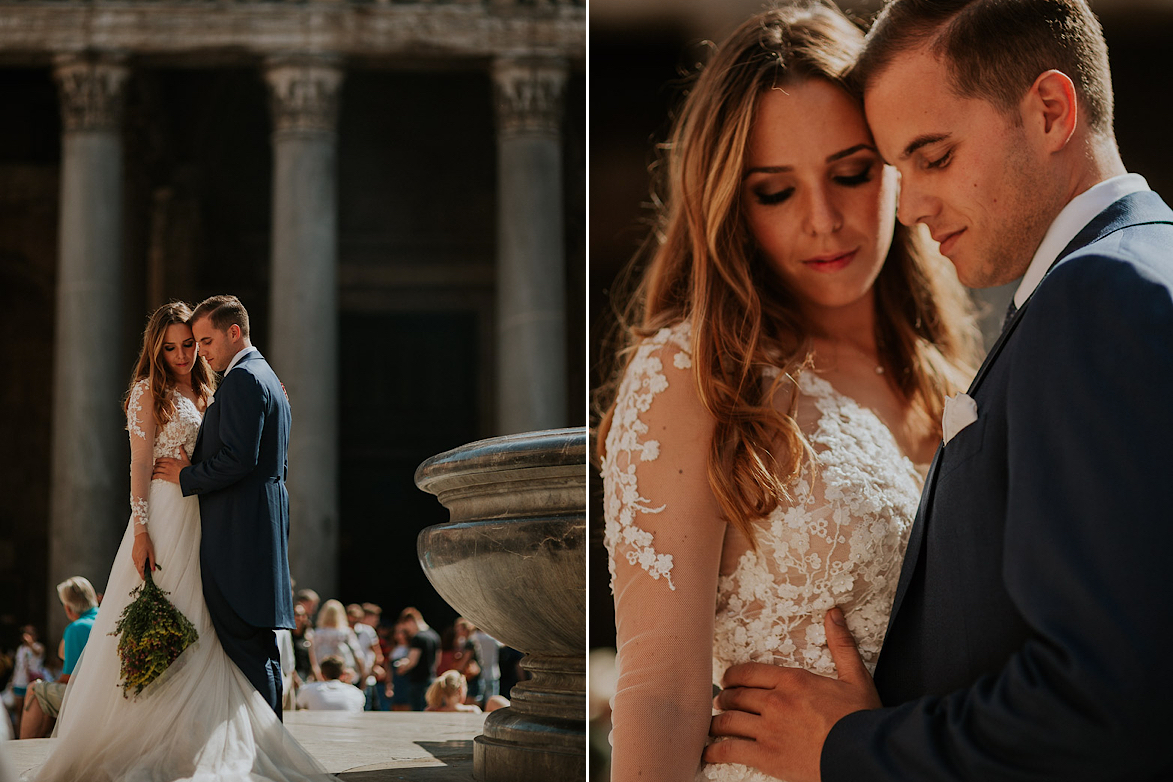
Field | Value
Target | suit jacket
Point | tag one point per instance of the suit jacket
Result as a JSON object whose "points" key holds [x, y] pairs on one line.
{"points": [[238, 470], [1031, 632]]}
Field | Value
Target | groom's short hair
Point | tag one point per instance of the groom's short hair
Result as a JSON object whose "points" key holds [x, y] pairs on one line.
{"points": [[995, 49], [223, 311]]}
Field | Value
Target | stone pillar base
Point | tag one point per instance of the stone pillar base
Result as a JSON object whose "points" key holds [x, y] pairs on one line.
{"points": [[542, 736], [494, 760]]}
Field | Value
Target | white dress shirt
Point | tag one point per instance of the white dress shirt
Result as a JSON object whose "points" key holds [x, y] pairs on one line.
{"points": [[1080, 211], [237, 358]]}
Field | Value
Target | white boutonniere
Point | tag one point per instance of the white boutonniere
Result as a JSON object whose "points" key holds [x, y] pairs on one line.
{"points": [[960, 412]]}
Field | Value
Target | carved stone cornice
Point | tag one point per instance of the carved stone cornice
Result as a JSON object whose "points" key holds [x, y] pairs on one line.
{"points": [[303, 93], [529, 93], [92, 89], [237, 33]]}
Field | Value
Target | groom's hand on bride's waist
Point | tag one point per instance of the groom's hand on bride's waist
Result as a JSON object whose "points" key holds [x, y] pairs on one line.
{"points": [[168, 469], [776, 719]]}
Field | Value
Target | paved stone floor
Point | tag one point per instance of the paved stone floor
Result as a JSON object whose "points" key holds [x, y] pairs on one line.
{"points": [[366, 747]]}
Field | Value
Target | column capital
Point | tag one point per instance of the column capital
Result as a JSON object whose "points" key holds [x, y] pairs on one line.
{"points": [[529, 93], [92, 89], [303, 92]]}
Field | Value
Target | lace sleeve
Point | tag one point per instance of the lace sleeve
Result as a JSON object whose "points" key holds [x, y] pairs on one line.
{"points": [[140, 423], [664, 536]]}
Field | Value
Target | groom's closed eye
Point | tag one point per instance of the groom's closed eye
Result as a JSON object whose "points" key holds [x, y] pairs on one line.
{"points": [[941, 161]]}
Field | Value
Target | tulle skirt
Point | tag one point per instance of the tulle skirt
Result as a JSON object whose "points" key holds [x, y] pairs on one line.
{"points": [[201, 720]]}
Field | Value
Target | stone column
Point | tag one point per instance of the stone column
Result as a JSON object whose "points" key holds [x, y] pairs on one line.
{"points": [[531, 310], [89, 506], [303, 335]]}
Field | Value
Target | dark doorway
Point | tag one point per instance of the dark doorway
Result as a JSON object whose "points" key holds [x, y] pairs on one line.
{"points": [[409, 390]]}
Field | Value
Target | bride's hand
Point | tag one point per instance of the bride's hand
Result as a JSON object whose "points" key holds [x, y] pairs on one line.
{"points": [[142, 553]]}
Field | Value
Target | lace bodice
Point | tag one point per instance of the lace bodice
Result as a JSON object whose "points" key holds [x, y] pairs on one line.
{"points": [[149, 442], [840, 542]]}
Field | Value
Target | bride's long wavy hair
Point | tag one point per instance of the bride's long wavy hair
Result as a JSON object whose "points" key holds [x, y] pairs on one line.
{"points": [[150, 364], [703, 266]]}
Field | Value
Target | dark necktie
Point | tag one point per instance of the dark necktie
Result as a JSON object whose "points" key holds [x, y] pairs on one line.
{"points": [[1010, 310]]}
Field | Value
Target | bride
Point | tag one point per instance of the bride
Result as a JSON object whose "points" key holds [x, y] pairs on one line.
{"points": [[201, 720], [764, 451]]}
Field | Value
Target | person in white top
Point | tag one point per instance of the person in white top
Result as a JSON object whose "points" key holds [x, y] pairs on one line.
{"points": [[1028, 638], [330, 694], [779, 396], [488, 651], [333, 636], [368, 644], [28, 666]]}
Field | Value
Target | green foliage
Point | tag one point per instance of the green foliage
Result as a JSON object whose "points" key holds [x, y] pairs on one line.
{"points": [[153, 634]]}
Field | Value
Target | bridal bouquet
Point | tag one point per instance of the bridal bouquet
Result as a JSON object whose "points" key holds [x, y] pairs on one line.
{"points": [[153, 634]]}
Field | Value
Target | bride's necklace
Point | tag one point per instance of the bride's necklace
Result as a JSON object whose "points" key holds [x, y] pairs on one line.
{"points": [[192, 398], [877, 367]]}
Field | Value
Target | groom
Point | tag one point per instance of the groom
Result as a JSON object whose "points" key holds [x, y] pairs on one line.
{"points": [[239, 469], [1031, 628]]}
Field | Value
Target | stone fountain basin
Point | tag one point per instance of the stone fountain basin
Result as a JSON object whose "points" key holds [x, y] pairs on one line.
{"points": [[512, 559], [520, 579]]}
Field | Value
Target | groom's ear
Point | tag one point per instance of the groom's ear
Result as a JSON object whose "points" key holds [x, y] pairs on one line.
{"points": [[1051, 108]]}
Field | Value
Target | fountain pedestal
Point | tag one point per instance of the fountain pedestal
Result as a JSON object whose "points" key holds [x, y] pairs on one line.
{"points": [[512, 559]]}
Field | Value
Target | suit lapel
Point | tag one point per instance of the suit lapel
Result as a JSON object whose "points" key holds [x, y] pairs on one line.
{"points": [[1140, 208], [915, 537], [200, 435]]}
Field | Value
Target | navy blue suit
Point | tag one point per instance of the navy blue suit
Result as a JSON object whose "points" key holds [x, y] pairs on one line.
{"points": [[238, 470], [1031, 635]]}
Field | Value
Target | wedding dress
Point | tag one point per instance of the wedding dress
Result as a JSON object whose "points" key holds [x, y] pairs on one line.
{"points": [[201, 721], [692, 597]]}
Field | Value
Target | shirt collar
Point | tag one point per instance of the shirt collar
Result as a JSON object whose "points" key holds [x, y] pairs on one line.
{"points": [[239, 357], [1079, 212]]}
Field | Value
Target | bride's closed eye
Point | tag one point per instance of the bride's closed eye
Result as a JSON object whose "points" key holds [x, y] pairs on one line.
{"points": [[767, 198], [853, 176], [862, 177]]}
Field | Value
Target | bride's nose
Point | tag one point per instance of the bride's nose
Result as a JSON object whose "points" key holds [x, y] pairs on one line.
{"points": [[822, 215]]}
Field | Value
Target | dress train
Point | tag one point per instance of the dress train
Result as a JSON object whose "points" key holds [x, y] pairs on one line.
{"points": [[201, 721]]}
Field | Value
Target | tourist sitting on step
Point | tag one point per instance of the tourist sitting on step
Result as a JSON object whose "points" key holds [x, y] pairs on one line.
{"points": [[447, 693], [43, 701], [330, 694]]}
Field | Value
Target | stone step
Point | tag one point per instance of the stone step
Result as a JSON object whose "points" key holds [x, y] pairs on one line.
{"points": [[368, 747]]}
